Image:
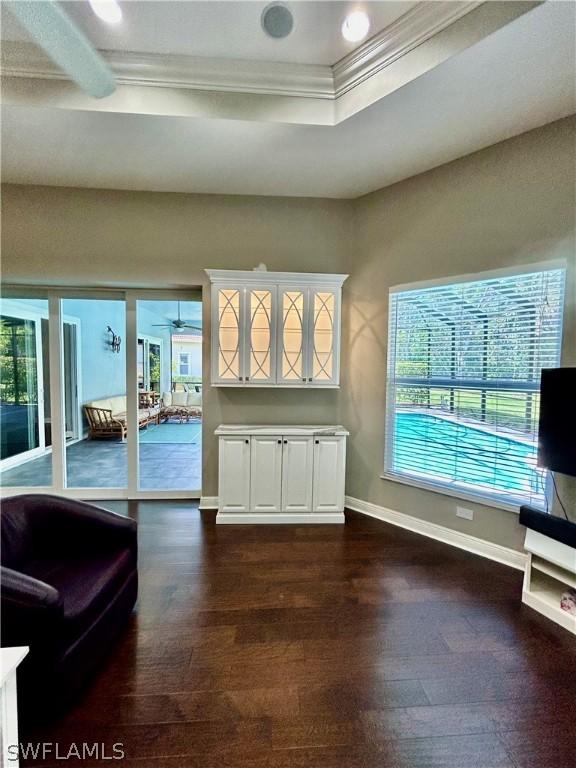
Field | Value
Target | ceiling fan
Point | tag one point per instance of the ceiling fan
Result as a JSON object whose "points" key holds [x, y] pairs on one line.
{"points": [[177, 325]]}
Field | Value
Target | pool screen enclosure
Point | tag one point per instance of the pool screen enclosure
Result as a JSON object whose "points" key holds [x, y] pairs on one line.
{"points": [[463, 388]]}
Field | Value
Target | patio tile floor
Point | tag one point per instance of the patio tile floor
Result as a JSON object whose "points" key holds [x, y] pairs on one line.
{"points": [[103, 464]]}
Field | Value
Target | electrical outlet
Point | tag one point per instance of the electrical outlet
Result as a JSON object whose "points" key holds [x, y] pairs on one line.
{"points": [[467, 514]]}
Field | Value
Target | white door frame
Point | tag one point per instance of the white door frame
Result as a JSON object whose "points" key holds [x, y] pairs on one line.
{"points": [[78, 427], [147, 339], [56, 354]]}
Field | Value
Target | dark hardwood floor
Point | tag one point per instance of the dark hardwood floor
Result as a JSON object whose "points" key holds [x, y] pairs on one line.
{"points": [[356, 646]]}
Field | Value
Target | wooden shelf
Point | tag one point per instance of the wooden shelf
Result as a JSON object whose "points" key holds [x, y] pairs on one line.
{"points": [[560, 574], [544, 596]]}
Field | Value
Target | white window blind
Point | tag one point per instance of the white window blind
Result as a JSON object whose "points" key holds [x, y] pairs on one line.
{"points": [[464, 362]]}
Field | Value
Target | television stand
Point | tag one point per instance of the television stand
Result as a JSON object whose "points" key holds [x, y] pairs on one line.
{"points": [[551, 564]]}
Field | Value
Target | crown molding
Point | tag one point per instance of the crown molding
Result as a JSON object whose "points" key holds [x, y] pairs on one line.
{"points": [[184, 86], [218, 276], [268, 78], [188, 72], [409, 31]]}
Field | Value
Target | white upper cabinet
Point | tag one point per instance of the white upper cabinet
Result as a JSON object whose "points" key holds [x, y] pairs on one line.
{"points": [[260, 367], [275, 328], [324, 337], [228, 339], [292, 335]]}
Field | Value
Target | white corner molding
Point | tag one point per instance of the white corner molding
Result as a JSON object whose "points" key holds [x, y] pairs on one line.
{"points": [[182, 71], [272, 518], [504, 555], [208, 502], [264, 277], [280, 518], [413, 28], [305, 94]]}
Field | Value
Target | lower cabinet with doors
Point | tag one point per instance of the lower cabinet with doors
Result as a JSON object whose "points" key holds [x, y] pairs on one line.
{"points": [[281, 474]]}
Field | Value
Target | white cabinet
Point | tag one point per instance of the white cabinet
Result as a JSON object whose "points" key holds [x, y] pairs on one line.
{"points": [[297, 472], [281, 474], [275, 328], [266, 473], [228, 309], [323, 352], [260, 355], [329, 457], [234, 484], [10, 658], [292, 335]]}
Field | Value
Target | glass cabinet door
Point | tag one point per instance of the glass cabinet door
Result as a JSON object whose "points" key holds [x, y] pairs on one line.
{"points": [[323, 351], [260, 341], [292, 336], [228, 343]]}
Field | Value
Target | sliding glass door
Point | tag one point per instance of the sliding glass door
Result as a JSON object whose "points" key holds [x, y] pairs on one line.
{"points": [[94, 384], [101, 394], [24, 412], [170, 395]]}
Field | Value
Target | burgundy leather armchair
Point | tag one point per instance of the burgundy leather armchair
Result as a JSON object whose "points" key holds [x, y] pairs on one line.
{"points": [[69, 584]]}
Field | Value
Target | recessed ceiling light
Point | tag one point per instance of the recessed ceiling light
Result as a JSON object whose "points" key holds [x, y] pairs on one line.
{"points": [[107, 10], [355, 26]]}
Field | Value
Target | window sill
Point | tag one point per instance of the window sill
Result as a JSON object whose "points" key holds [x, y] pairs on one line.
{"points": [[456, 493]]}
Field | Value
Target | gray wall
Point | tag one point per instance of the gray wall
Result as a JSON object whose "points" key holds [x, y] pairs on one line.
{"points": [[64, 236], [510, 204]]}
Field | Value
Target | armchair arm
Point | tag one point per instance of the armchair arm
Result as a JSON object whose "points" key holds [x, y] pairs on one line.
{"points": [[31, 610], [66, 525]]}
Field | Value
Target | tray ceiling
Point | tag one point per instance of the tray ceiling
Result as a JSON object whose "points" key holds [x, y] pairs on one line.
{"points": [[395, 107]]}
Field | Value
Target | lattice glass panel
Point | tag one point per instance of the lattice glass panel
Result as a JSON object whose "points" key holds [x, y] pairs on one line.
{"points": [[323, 358], [229, 333], [292, 335], [260, 334]]}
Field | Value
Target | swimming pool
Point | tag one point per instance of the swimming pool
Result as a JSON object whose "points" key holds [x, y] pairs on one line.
{"points": [[438, 449]]}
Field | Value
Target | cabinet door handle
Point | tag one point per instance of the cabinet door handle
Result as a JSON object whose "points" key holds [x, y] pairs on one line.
{"points": [[310, 379], [247, 442], [239, 378], [285, 442], [317, 442], [304, 378], [279, 442]]}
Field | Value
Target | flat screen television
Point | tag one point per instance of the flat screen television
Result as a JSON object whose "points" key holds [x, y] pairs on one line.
{"points": [[557, 428]]}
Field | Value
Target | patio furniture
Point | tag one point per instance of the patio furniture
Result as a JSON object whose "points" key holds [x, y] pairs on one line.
{"points": [[182, 405], [148, 398], [69, 584], [107, 417], [182, 413]]}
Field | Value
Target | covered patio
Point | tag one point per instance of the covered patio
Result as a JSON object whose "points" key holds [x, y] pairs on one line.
{"points": [[169, 380]]}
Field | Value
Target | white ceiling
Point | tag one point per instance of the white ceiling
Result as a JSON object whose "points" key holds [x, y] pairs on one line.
{"points": [[190, 311], [228, 30], [518, 78]]}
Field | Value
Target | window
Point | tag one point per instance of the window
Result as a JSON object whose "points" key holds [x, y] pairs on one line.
{"points": [[184, 363], [464, 362]]}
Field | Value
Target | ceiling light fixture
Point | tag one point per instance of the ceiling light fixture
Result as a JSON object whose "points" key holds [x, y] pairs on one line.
{"points": [[107, 10], [277, 21], [355, 26]]}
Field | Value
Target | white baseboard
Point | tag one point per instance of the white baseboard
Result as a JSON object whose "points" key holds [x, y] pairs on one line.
{"points": [[208, 502], [504, 555], [304, 518]]}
